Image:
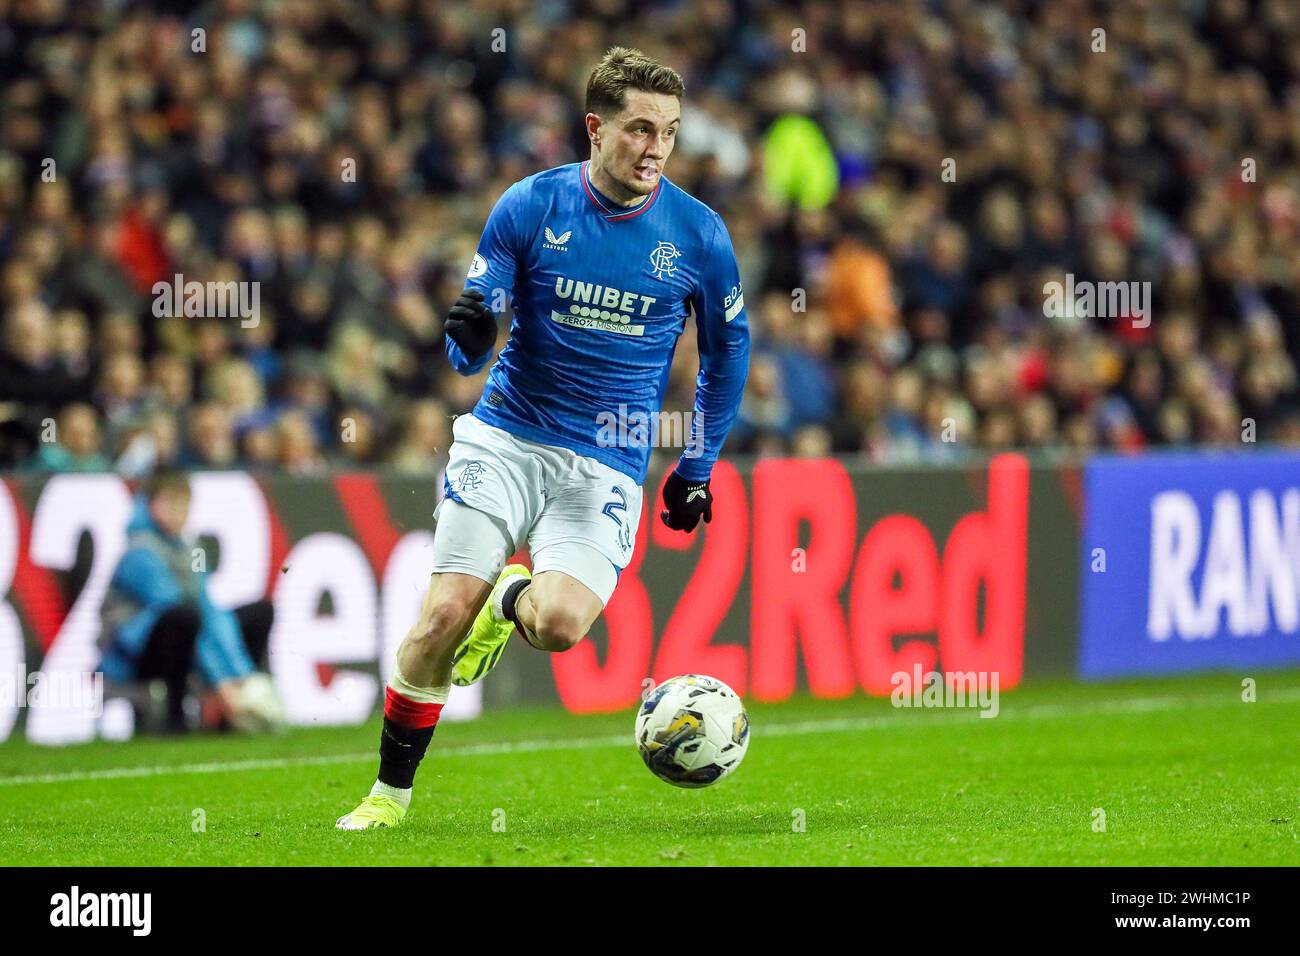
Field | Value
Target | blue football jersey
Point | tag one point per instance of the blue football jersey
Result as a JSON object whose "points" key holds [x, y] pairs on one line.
{"points": [[600, 294]]}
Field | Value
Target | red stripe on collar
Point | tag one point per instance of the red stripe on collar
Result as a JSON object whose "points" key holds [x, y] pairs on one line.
{"points": [[612, 215]]}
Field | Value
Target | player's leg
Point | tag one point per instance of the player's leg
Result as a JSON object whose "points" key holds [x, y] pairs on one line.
{"points": [[415, 695], [469, 548], [556, 610], [450, 604], [492, 494], [584, 537], [552, 609], [255, 628], [483, 646], [169, 654]]}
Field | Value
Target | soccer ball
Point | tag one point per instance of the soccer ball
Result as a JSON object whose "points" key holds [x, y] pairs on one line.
{"points": [[692, 731]]}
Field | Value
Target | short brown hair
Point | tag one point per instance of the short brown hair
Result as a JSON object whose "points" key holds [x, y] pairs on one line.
{"points": [[167, 480], [622, 69]]}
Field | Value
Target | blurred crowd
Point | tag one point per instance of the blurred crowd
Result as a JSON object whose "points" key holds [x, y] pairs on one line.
{"points": [[901, 180]]}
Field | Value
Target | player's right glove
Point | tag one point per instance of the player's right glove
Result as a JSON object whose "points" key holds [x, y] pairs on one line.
{"points": [[687, 502], [471, 325]]}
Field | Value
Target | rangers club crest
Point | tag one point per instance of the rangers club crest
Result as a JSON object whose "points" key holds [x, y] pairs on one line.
{"points": [[471, 477], [661, 259]]}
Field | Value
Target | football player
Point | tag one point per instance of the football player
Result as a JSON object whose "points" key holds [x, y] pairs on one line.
{"points": [[604, 261]]}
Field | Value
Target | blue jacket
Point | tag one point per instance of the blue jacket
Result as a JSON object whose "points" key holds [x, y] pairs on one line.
{"points": [[155, 574]]}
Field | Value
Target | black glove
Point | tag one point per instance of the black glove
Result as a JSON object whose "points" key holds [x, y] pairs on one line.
{"points": [[471, 325], [687, 502]]}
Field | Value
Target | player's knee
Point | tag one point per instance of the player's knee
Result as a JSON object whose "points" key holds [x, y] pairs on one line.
{"points": [[441, 626], [184, 618], [559, 628]]}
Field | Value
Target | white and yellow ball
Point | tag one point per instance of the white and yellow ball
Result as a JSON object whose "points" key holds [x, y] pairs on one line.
{"points": [[692, 730]]}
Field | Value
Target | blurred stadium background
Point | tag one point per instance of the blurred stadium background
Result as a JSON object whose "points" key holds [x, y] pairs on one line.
{"points": [[923, 298], [901, 179]]}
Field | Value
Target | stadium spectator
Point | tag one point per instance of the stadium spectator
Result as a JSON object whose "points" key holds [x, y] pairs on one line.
{"points": [[150, 443], [800, 346], [120, 393], [259, 448], [299, 450], [159, 624], [210, 438], [859, 287], [171, 380], [765, 410], [235, 384], [427, 432], [31, 369], [358, 436], [72, 343], [345, 159], [76, 443]]}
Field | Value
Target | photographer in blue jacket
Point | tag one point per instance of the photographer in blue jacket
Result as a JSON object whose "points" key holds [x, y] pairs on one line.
{"points": [[160, 625]]}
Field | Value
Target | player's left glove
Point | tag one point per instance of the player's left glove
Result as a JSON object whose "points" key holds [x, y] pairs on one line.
{"points": [[471, 324], [687, 502]]}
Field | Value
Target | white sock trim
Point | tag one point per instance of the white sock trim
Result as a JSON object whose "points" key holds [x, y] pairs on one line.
{"points": [[421, 695], [397, 793], [499, 594]]}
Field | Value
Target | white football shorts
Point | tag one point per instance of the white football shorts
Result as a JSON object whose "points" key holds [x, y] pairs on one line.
{"points": [[577, 515]]}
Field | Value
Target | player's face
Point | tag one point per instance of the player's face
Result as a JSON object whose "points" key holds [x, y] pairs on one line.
{"points": [[635, 145], [169, 509]]}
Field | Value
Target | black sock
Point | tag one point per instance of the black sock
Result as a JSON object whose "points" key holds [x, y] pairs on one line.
{"points": [[509, 608], [511, 596], [400, 751]]}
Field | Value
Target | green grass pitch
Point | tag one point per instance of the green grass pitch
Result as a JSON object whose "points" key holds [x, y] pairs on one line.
{"points": [[1185, 772]]}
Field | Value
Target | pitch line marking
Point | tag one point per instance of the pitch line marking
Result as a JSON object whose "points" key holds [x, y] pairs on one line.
{"points": [[791, 729]]}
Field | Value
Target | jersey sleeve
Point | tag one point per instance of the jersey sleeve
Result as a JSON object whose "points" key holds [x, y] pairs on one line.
{"points": [[143, 576], [494, 266], [723, 335]]}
